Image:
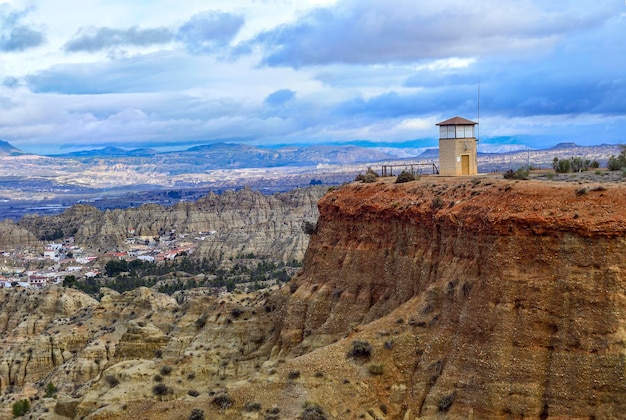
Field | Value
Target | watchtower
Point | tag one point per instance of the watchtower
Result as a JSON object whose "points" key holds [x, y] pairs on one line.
{"points": [[457, 147]]}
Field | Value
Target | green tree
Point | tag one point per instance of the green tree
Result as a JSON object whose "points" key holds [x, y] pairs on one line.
{"points": [[69, 281], [21, 407], [618, 162], [114, 267], [51, 390], [561, 165]]}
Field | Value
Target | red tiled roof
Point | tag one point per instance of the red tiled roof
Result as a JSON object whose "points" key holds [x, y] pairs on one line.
{"points": [[457, 120]]}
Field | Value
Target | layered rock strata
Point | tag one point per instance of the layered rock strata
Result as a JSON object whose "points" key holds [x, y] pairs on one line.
{"points": [[514, 291]]}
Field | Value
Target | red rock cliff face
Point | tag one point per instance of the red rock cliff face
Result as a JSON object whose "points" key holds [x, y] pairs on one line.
{"points": [[513, 292]]}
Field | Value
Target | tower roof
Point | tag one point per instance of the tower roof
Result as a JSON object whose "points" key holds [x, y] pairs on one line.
{"points": [[457, 121]]}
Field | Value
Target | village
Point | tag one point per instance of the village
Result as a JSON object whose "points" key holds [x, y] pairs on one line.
{"points": [[35, 267]]}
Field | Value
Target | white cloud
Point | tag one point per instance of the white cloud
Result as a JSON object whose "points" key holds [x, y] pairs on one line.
{"points": [[161, 72]]}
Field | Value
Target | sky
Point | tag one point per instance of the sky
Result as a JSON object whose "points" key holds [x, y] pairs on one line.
{"points": [[172, 74]]}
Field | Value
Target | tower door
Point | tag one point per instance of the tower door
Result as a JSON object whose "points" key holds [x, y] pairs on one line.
{"points": [[465, 165]]}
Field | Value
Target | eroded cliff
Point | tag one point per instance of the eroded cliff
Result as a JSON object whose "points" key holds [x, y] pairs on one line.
{"points": [[244, 222], [513, 292]]}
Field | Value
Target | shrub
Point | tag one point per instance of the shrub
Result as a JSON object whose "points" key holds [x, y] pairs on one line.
{"points": [[437, 203], [520, 173], [573, 164], [309, 227], [376, 370], [112, 380], [160, 389], [405, 177], [579, 164], [294, 374], [616, 163], [369, 177], [360, 350], [446, 402], [166, 370], [51, 390], [293, 287], [222, 401], [201, 321], [561, 166], [193, 393], [20, 408], [313, 411], [196, 414]]}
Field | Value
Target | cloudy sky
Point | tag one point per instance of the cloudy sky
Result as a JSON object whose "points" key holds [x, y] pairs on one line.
{"points": [[176, 73]]}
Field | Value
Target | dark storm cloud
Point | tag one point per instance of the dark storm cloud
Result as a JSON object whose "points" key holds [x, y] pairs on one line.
{"points": [[96, 39], [370, 31], [507, 89]]}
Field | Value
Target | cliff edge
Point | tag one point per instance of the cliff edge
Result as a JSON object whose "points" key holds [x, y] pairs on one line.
{"points": [[509, 296]]}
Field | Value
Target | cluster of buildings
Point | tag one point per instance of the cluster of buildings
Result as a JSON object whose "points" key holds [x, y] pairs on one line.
{"points": [[29, 267]]}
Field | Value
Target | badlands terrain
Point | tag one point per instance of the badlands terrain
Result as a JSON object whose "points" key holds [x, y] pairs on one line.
{"points": [[470, 297]]}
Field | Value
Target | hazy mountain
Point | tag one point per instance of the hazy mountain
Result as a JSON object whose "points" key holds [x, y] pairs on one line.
{"points": [[401, 152], [500, 148], [109, 151], [234, 155], [429, 154], [7, 149], [566, 145]]}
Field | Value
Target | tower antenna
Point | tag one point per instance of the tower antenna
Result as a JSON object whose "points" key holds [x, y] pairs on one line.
{"points": [[478, 130]]}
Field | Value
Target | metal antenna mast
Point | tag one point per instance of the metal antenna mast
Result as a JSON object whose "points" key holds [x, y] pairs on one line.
{"points": [[478, 133]]}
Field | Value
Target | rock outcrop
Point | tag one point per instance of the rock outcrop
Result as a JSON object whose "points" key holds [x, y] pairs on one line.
{"points": [[12, 234], [513, 292]]}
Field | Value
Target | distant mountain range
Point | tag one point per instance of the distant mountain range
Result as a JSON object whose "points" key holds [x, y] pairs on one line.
{"points": [[217, 156], [232, 155], [110, 152]]}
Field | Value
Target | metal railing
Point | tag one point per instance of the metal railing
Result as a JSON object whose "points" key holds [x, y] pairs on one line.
{"points": [[412, 168]]}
